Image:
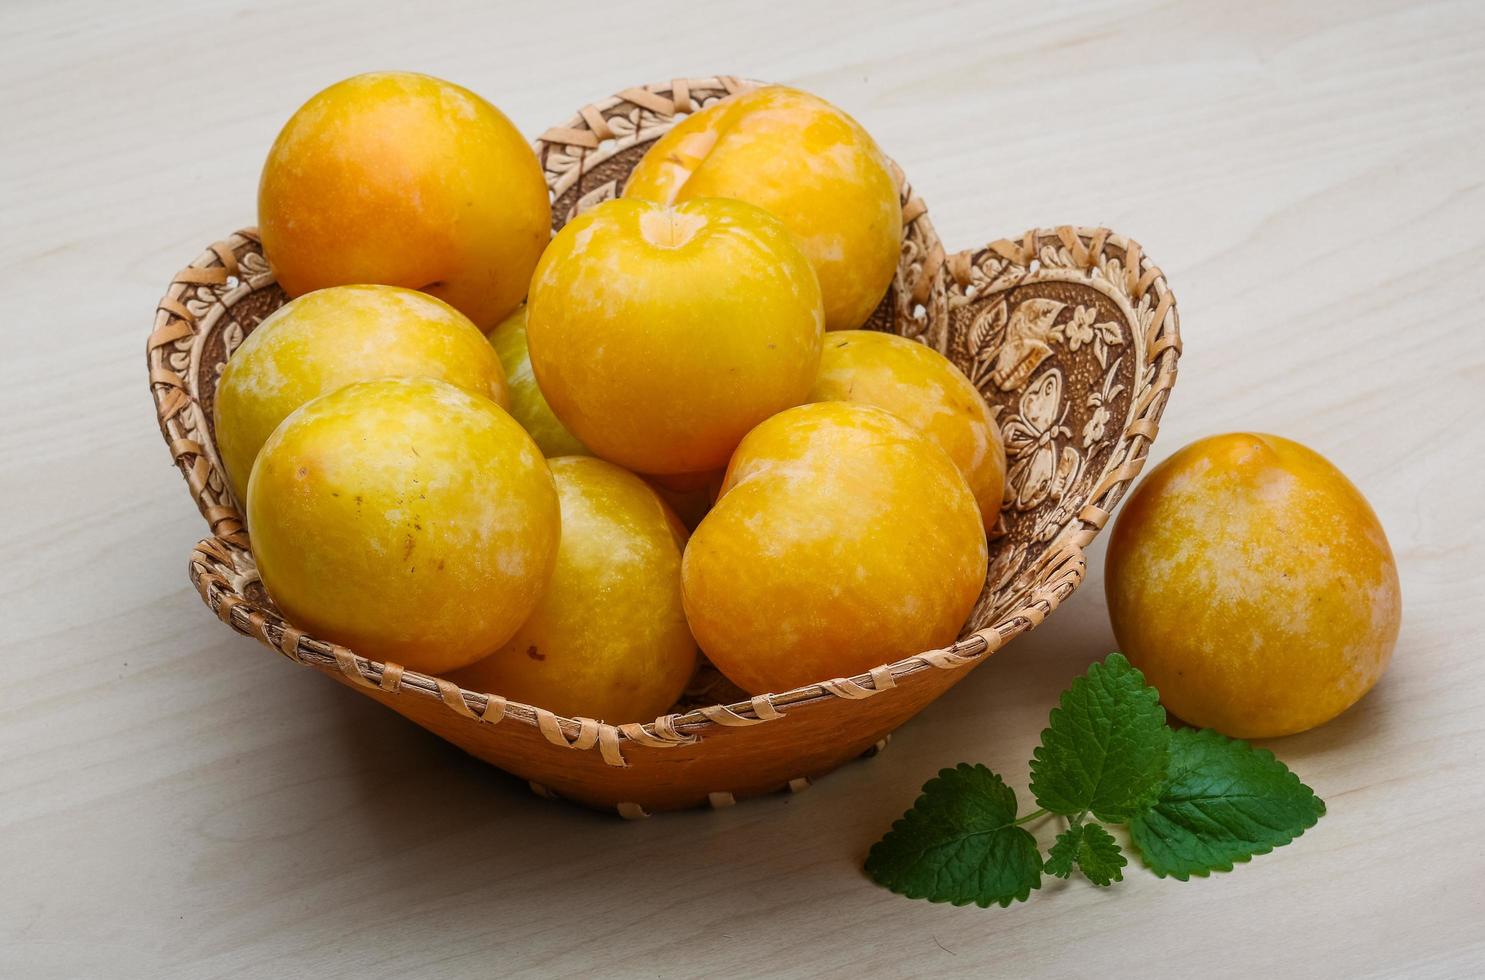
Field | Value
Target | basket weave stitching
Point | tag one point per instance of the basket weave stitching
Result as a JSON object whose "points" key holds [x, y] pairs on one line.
{"points": [[1066, 560]]}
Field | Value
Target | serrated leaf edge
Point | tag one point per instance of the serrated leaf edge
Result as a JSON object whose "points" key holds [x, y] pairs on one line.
{"points": [[1209, 734], [1004, 903], [1118, 874], [1072, 828], [1139, 804], [901, 823]]}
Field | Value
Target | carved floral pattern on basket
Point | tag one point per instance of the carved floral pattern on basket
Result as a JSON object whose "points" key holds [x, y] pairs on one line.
{"points": [[1071, 334]]}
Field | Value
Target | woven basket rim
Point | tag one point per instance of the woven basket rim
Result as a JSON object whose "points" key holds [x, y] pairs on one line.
{"points": [[1059, 569], [1064, 560]]}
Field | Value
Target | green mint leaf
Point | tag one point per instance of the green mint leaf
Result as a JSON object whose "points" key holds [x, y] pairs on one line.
{"points": [[1106, 747], [1089, 847], [959, 844], [1225, 802], [1099, 856], [1063, 855]]}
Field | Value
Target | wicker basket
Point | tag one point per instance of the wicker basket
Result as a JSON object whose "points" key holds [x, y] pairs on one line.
{"points": [[1071, 333]]}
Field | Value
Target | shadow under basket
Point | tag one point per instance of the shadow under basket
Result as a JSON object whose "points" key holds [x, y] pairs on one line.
{"points": [[1070, 333]]}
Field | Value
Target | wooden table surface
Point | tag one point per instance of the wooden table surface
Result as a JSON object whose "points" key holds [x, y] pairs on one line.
{"points": [[177, 801]]}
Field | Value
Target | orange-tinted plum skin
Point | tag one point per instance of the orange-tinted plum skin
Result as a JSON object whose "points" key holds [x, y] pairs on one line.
{"points": [[805, 161], [1254, 586], [923, 388], [405, 180], [843, 539]]}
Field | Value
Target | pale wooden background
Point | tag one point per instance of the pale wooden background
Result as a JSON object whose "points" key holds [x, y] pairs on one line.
{"points": [[176, 801]]}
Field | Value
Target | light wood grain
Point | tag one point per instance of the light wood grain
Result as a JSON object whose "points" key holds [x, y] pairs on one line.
{"points": [[1309, 177]]}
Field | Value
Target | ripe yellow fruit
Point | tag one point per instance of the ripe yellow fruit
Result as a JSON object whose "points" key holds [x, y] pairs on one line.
{"points": [[923, 388], [1253, 585], [406, 519], [528, 405], [806, 162], [609, 638], [843, 539], [327, 339], [403, 179], [661, 335]]}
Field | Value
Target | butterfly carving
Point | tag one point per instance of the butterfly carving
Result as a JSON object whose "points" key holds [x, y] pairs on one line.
{"points": [[1040, 469]]}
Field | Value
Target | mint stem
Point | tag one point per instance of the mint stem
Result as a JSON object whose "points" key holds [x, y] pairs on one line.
{"points": [[1029, 817]]}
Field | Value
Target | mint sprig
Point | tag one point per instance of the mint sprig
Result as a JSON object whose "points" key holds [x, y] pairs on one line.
{"points": [[1194, 802]]}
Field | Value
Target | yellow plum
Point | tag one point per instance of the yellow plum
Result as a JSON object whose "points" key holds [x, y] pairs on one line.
{"points": [[326, 339], [661, 335], [406, 519], [806, 162], [843, 539], [1253, 585], [407, 180], [528, 405], [609, 639], [923, 388]]}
